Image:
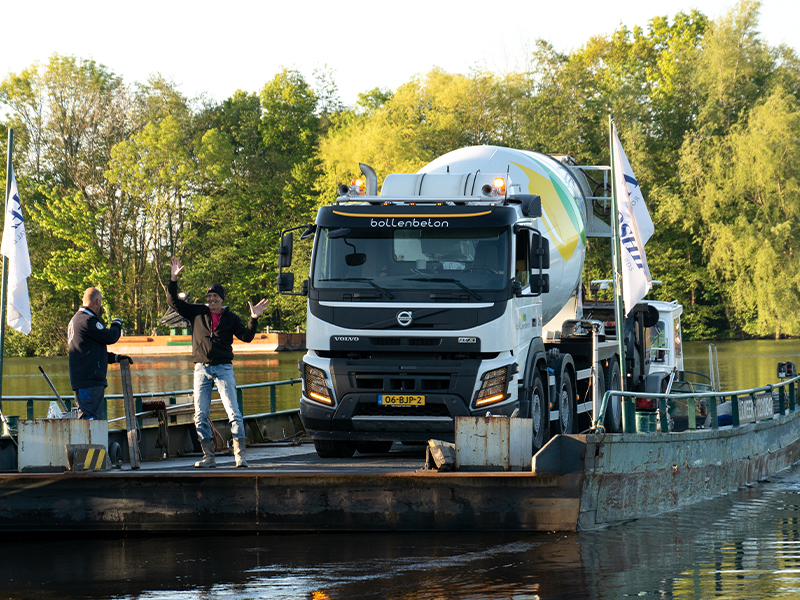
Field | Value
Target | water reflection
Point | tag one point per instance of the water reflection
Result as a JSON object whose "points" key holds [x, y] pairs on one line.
{"points": [[743, 364]]}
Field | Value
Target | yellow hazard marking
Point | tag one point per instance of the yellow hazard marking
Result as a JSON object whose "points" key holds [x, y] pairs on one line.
{"points": [[561, 229], [92, 462], [405, 216]]}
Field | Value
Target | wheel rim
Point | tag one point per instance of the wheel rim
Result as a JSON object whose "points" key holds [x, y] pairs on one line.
{"points": [[564, 408], [536, 409]]}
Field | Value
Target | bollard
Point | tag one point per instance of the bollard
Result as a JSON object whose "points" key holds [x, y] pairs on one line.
{"points": [[628, 415], [130, 413]]}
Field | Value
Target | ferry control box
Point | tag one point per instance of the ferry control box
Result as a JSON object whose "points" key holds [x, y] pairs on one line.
{"points": [[496, 443], [43, 443]]}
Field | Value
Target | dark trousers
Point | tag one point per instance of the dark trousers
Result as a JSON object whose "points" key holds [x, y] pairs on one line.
{"points": [[90, 402]]}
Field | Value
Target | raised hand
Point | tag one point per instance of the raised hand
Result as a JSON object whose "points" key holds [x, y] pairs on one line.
{"points": [[255, 311], [175, 267]]}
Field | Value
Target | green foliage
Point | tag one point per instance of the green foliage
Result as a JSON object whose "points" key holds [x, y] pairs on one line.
{"points": [[114, 179]]}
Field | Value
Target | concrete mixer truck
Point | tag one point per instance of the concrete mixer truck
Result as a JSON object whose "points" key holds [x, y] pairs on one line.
{"points": [[457, 291]]}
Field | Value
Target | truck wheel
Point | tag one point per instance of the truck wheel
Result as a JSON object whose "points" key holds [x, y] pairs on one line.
{"points": [[613, 419], [539, 413], [335, 448], [381, 447], [566, 404]]}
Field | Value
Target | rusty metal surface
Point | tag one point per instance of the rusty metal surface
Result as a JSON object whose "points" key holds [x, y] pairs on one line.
{"points": [[497, 441], [634, 476], [42, 442]]}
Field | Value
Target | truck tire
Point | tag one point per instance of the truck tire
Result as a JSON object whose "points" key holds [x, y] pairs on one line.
{"points": [[613, 418], [538, 412], [566, 404], [381, 447], [335, 448]]}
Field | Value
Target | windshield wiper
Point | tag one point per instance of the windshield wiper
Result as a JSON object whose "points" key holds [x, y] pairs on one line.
{"points": [[389, 294], [445, 280]]}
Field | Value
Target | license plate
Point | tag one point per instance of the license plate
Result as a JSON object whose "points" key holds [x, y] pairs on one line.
{"points": [[400, 400]]}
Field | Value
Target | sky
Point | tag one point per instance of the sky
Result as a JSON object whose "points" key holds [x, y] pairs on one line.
{"points": [[217, 48]]}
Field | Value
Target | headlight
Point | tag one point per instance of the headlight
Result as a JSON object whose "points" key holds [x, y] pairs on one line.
{"points": [[315, 385], [493, 388]]}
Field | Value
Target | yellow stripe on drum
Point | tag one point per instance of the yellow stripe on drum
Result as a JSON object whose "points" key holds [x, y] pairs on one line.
{"points": [[560, 226]]}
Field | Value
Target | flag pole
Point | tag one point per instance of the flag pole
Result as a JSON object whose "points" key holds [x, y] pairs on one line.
{"points": [[9, 166], [616, 252]]}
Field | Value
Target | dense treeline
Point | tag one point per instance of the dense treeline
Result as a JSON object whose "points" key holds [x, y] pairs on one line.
{"points": [[115, 178]]}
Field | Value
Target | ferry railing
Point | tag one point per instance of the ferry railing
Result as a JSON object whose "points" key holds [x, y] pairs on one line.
{"points": [[170, 399], [628, 407]]}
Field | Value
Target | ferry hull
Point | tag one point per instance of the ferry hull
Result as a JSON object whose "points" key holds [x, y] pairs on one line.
{"points": [[581, 482]]}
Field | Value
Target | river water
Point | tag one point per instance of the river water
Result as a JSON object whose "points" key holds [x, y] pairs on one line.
{"points": [[745, 545]]}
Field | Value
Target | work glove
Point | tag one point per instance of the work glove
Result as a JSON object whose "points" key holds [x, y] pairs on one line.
{"points": [[121, 357], [117, 322]]}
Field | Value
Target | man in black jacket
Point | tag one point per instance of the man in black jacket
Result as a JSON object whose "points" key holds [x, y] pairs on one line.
{"points": [[213, 328], [88, 338]]}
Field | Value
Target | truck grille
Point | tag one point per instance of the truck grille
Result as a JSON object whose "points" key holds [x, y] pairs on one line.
{"points": [[373, 409], [393, 383], [396, 341]]}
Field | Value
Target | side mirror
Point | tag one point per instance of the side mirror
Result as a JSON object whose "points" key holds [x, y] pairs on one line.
{"points": [[285, 251], [285, 282], [304, 288], [540, 251]]}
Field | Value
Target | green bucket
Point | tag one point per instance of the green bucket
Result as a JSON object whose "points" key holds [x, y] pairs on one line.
{"points": [[645, 422]]}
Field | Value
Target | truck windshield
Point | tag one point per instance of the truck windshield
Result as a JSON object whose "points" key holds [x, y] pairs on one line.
{"points": [[472, 259]]}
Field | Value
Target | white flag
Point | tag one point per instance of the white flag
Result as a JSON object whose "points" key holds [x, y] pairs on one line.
{"points": [[635, 226], [15, 248]]}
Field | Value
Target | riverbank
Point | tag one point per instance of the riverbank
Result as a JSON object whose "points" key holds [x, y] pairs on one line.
{"points": [[138, 345]]}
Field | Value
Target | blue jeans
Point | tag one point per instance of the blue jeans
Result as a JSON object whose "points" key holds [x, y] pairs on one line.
{"points": [[205, 376], [90, 402]]}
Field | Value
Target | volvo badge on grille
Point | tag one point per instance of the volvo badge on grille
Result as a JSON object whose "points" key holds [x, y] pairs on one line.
{"points": [[404, 318]]}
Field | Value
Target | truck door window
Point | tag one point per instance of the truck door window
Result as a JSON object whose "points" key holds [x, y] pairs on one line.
{"points": [[658, 348], [522, 260]]}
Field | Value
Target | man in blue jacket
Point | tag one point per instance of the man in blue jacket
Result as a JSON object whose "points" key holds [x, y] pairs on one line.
{"points": [[213, 328], [89, 357]]}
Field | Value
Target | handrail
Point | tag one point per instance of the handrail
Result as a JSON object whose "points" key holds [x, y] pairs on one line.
{"points": [[149, 395], [658, 396], [157, 394]]}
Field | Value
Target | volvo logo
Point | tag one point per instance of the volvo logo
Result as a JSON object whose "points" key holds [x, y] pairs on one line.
{"points": [[404, 318], [345, 338]]}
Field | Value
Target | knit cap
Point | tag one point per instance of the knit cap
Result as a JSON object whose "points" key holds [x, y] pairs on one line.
{"points": [[216, 288]]}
